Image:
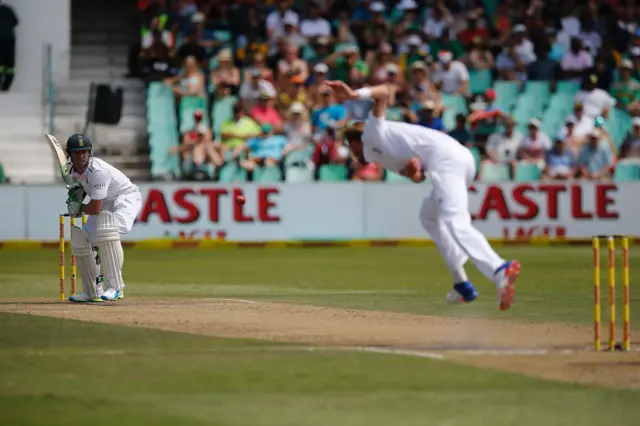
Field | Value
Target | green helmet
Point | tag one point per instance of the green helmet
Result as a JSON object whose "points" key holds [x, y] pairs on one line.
{"points": [[78, 142]]}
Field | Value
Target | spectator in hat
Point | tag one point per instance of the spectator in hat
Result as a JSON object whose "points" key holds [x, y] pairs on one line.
{"points": [[451, 76], [569, 136], [627, 90], [630, 148], [266, 150], [576, 61], [275, 20], [560, 162], [295, 92], [406, 13], [252, 87], [523, 47], [427, 118], [236, 132], [297, 128], [264, 112], [328, 114], [535, 144], [486, 117], [421, 88], [291, 34], [378, 10], [480, 56], [503, 147], [583, 124], [315, 25], [413, 54], [460, 132], [259, 68], [320, 49], [440, 21], [595, 159], [347, 65], [318, 77], [596, 102], [291, 65], [226, 72]]}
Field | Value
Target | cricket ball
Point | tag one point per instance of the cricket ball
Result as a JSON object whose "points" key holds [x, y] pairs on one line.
{"points": [[240, 199]]}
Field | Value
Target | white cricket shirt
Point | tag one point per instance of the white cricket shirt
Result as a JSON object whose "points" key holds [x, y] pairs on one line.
{"points": [[104, 182], [392, 144]]}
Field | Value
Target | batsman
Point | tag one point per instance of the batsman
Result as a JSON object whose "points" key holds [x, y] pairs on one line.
{"points": [[112, 203]]}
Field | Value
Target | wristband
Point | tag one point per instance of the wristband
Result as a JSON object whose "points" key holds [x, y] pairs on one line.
{"points": [[364, 93]]}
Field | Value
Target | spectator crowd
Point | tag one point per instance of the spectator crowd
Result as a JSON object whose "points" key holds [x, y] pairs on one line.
{"points": [[250, 76]]}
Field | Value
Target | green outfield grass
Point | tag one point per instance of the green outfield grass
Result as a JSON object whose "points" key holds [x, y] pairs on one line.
{"points": [[555, 284], [64, 372]]}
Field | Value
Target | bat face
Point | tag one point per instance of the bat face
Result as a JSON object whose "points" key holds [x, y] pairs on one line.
{"points": [[60, 158]]}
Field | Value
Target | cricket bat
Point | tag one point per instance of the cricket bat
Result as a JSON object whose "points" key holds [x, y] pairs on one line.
{"points": [[61, 159]]}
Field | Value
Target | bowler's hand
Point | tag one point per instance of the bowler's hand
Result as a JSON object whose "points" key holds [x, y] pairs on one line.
{"points": [[413, 170], [341, 90]]}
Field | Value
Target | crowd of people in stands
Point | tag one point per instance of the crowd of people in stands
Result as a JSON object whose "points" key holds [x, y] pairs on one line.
{"points": [[272, 58]]}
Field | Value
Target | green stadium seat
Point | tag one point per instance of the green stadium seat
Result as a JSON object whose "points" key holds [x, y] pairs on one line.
{"points": [[527, 172], [476, 155], [221, 112], [267, 174], [495, 173], [297, 158], [298, 174], [3, 176], [626, 172], [560, 104], [456, 103], [332, 173], [568, 87], [506, 94], [393, 177], [449, 119], [479, 81], [162, 130], [232, 172]]}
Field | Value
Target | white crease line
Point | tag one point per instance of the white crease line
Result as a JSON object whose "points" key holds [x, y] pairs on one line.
{"points": [[230, 300], [507, 352], [391, 351]]}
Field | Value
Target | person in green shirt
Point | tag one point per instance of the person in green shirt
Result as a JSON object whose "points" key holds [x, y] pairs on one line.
{"points": [[347, 65], [627, 89], [234, 133], [446, 43]]}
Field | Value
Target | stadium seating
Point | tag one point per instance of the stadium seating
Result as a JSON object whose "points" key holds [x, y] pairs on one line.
{"points": [[232, 172], [163, 131], [626, 172], [495, 173], [332, 173], [221, 112], [393, 177], [527, 172], [506, 95], [189, 105], [298, 175], [3, 177], [266, 174], [479, 81]]}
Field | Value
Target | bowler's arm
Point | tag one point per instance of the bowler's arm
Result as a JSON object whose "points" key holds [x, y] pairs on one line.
{"points": [[380, 95]]}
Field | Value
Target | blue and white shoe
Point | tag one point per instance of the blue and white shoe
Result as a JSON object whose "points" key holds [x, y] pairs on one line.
{"points": [[462, 292], [506, 276], [82, 297], [110, 294]]}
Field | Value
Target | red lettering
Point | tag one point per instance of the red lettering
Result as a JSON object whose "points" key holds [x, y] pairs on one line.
{"points": [[494, 200], [521, 234], [576, 204], [561, 231], [603, 200], [520, 197], [264, 204], [180, 198], [214, 202], [552, 198], [238, 209], [155, 204]]}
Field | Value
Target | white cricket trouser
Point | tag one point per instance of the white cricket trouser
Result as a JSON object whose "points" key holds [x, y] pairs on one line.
{"points": [[126, 208], [445, 216]]}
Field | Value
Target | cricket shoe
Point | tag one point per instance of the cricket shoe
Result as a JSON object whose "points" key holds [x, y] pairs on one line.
{"points": [[110, 294], [506, 276], [462, 292], [82, 297]]}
